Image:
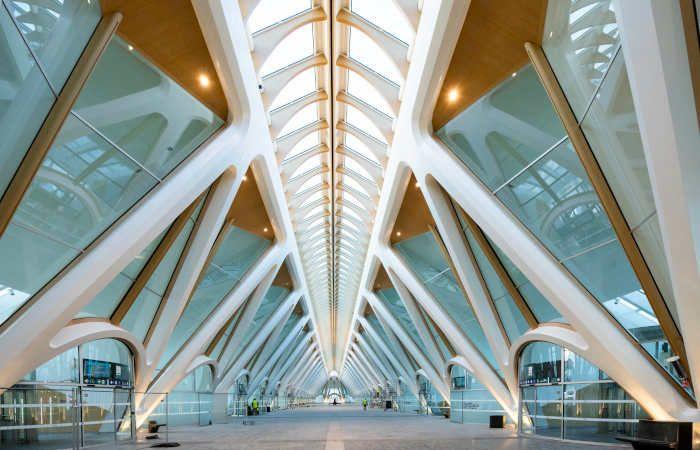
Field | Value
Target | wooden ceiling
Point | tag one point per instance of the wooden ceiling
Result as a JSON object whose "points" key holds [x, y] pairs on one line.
{"points": [[248, 210], [414, 216], [490, 48], [168, 33], [283, 278], [381, 281]]}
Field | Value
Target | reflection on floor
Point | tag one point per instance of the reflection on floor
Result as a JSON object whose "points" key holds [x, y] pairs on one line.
{"points": [[350, 428]]}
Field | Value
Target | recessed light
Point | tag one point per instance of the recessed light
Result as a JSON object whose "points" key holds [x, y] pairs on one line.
{"points": [[417, 184], [453, 95], [398, 233], [245, 178], [265, 230], [204, 80], [131, 48], [513, 74]]}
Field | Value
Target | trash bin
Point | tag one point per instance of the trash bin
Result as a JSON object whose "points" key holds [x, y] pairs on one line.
{"points": [[267, 408], [497, 421]]}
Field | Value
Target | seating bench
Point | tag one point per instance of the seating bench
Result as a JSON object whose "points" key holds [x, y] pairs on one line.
{"points": [[653, 434]]}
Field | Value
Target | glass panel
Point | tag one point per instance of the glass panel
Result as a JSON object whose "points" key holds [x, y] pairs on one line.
{"points": [[26, 99], [35, 260], [540, 362], [273, 299], [505, 130], [385, 15], [153, 130], [60, 369], [593, 407], [395, 305], [580, 39], [648, 237], [362, 89], [548, 411], [366, 51], [270, 12], [613, 134], [424, 257], [296, 46], [509, 314], [104, 304], [38, 417], [556, 201], [540, 306], [57, 32], [612, 131], [305, 116], [82, 187], [297, 87], [238, 251], [359, 120], [577, 368], [606, 273]]}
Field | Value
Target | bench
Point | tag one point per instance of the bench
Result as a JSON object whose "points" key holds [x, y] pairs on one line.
{"points": [[652, 434]]}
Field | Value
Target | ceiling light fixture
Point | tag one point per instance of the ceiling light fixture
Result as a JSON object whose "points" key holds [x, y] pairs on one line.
{"points": [[204, 80], [453, 95]]}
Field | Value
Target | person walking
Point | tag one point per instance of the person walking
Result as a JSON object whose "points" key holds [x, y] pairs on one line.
{"points": [[255, 407], [364, 404]]}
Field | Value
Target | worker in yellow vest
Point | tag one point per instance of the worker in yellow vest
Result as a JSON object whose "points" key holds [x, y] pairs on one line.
{"points": [[364, 403], [255, 407]]}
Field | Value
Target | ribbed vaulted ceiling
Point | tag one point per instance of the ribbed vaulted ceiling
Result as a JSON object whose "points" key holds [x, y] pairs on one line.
{"points": [[331, 74]]}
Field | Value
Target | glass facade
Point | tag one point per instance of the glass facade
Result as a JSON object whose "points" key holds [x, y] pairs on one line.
{"points": [[398, 310], [564, 396], [41, 42], [237, 252], [80, 397], [139, 316], [512, 321], [191, 401], [512, 140], [128, 129], [423, 255], [470, 401]]}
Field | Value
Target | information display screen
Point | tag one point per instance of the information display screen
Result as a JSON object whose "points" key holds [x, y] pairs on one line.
{"points": [[106, 373]]}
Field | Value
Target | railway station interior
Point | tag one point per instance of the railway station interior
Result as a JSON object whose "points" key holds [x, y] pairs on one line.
{"points": [[350, 224]]}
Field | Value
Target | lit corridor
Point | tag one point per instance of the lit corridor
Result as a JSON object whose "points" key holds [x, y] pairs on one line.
{"points": [[350, 428]]}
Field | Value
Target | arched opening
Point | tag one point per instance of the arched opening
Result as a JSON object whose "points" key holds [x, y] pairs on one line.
{"points": [[564, 396], [470, 401], [81, 397]]}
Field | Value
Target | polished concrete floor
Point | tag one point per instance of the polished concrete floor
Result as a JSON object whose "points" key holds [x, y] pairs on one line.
{"points": [[350, 428]]}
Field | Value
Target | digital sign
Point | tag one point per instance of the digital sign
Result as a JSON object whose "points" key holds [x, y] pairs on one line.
{"points": [[106, 373]]}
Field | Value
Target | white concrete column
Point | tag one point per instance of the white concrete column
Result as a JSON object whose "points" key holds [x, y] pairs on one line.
{"points": [[259, 376], [461, 343], [467, 272], [656, 57], [240, 328], [434, 376], [364, 345], [429, 345], [230, 376]]}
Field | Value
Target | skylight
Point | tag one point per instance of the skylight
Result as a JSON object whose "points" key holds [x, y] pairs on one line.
{"points": [[307, 115], [269, 12], [385, 15], [298, 45], [357, 145], [299, 86], [359, 120], [363, 49], [360, 88], [304, 144]]}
